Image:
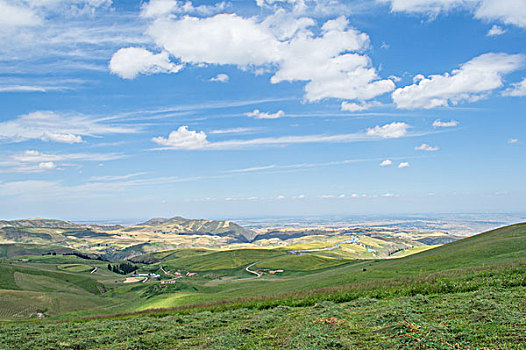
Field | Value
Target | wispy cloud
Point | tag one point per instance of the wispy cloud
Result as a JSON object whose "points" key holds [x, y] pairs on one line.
{"points": [[233, 131], [185, 139], [52, 127], [33, 161]]}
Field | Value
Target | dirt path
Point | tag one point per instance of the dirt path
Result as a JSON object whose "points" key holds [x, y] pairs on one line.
{"points": [[95, 269], [247, 269]]}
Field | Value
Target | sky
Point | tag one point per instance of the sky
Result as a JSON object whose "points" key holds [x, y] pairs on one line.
{"points": [[253, 108]]}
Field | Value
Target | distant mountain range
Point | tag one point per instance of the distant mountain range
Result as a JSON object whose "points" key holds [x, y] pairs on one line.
{"points": [[180, 225], [26, 230]]}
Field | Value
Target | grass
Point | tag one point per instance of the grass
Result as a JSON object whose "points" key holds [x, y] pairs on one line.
{"points": [[221, 260], [75, 267], [482, 308], [299, 263]]}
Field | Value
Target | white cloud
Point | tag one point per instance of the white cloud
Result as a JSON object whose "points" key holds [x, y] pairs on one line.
{"points": [[34, 156], [300, 196], [329, 59], [233, 131], [440, 124], [327, 196], [128, 62], [256, 113], [164, 8], [183, 138], [512, 141], [22, 88], [429, 7], [32, 161], [352, 107], [403, 165], [221, 78], [496, 31], [392, 130], [280, 197], [17, 16], [506, 11], [426, 147], [517, 89], [47, 165], [386, 162], [50, 126], [356, 107], [388, 195], [473, 81]]}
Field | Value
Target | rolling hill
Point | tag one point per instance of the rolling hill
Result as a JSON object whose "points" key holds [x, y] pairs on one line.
{"points": [[466, 294]]}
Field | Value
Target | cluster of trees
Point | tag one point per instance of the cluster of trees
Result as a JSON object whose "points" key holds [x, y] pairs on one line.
{"points": [[123, 268]]}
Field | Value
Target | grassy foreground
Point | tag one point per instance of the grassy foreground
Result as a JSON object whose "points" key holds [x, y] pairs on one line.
{"points": [[481, 308]]}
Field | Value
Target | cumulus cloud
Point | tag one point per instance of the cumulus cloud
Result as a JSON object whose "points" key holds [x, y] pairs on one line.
{"points": [[403, 165], [256, 113], [426, 147], [386, 162], [512, 141], [440, 124], [128, 62], [221, 78], [353, 107], [473, 81], [329, 58], [392, 130], [517, 89], [496, 31], [506, 11], [53, 127], [184, 139]]}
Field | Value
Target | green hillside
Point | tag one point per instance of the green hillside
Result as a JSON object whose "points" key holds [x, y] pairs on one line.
{"points": [[470, 294], [51, 280]]}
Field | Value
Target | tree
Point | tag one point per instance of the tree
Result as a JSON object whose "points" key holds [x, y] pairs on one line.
{"points": [[109, 267]]}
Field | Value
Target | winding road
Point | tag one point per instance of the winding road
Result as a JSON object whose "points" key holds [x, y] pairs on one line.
{"points": [[247, 269]]}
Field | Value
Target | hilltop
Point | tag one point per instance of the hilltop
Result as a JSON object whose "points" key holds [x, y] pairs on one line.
{"points": [[180, 225]]}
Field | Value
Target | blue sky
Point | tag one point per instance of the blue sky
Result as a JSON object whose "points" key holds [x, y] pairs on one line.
{"points": [[134, 109]]}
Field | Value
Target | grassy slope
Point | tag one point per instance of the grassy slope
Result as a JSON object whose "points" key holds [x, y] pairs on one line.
{"points": [[501, 246], [477, 309], [506, 245]]}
